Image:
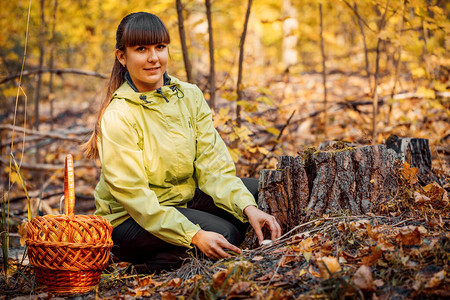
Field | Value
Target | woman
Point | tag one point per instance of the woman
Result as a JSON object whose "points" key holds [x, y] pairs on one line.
{"points": [[168, 182]]}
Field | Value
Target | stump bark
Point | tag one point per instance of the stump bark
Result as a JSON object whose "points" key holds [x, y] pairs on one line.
{"points": [[338, 179], [283, 193], [352, 180], [416, 152], [349, 180]]}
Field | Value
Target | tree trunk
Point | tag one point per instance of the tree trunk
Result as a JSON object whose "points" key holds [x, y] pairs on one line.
{"points": [[324, 74], [416, 152], [187, 62], [366, 51], [212, 77], [41, 62], [50, 66], [241, 62]]}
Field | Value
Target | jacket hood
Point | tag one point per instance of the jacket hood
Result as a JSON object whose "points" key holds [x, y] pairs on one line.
{"points": [[171, 87]]}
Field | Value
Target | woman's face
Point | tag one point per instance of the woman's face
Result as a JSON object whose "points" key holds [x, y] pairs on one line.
{"points": [[146, 65]]}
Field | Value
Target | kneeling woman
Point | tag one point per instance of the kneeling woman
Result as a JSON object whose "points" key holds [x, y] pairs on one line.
{"points": [[168, 182]]}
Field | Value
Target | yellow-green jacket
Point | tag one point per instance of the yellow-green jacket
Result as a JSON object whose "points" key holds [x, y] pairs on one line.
{"points": [[155, 149]]}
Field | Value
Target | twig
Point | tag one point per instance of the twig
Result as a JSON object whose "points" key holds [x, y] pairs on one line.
{"points": [[48, 167], [64, 135], [56, 71], [404, 221]]}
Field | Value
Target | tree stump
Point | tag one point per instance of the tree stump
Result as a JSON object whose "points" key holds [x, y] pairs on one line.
{"points": [[283, 193], [416, 152], [344, 180], [351, 180]]}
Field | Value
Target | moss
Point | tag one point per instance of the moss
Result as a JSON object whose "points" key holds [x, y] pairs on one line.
{"points": [[307, 155]]}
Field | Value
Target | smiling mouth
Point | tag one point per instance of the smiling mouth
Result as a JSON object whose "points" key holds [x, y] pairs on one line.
{"points": [[152, 69]]}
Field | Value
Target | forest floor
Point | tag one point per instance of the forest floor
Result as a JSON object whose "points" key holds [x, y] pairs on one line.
{"points": [[403, 252]]}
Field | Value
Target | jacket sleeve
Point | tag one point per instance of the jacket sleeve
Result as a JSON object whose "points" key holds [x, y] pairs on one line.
{"points": [[214, 168], [124, 172]]}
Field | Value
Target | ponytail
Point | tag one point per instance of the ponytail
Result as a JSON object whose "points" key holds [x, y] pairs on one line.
{"points": [[117, 78]]}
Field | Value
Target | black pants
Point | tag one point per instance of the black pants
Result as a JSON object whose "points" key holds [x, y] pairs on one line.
{"points": [[134, 244]]}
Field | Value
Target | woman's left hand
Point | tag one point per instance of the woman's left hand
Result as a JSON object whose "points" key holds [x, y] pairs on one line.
{"points": [[258, 219]]}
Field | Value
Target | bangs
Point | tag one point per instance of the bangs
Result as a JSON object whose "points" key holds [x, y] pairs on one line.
{"points": [[145, 29]]}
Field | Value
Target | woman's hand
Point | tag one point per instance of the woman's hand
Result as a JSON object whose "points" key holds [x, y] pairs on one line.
{"points": [[258, 219], [213, 244]]}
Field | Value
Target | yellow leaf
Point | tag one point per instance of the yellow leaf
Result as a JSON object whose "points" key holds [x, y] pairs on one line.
{"points": [[427, 93], [273, 131], [302, 272]]}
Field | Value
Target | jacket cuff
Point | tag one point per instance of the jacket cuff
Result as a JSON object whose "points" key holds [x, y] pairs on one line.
{"points": [[188, 237], [239, 209]]}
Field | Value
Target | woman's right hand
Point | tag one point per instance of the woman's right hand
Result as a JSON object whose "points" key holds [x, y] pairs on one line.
{"points": [[212, 244]]}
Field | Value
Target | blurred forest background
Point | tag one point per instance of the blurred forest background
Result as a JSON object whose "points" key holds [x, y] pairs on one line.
{"points": [[286, 75]]}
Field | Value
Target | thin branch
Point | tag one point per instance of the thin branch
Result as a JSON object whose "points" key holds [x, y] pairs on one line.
{"points": [[324, 72], [358, 16], [56, 71], [48, 167], [56, 135], [212, 77], [241, 62]]}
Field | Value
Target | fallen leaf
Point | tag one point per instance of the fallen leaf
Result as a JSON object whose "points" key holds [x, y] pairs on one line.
{"points": [[140, 291], [435, 192], [241, 288], [304, 245], [378, 282], [342, 226], [360, 224], [302, 272], [258, 258], [419, 198], [436, 280], [373, 232], [372, 257], [300, 236], [313, 272], [327, 266], [326, 248], [363, 279], [219, 278], [142, 281], [166, 295], [176, 282], [307, 255], [269, 276], [409, 236], [22, 231], [409, 174]]}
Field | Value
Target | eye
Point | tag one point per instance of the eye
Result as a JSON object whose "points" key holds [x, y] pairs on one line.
{"points": [[140, 48], [161, 46]]}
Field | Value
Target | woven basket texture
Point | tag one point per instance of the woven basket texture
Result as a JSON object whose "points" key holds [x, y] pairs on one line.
{"points": [[69, 251]]}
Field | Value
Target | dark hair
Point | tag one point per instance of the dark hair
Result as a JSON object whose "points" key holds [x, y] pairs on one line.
{"points": [[140, 28]]}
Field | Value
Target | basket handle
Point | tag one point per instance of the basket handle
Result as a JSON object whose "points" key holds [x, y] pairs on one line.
{"points": [[69, 186]]}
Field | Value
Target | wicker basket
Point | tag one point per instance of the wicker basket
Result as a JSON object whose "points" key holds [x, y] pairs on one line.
{"points": [[68, 251]]}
